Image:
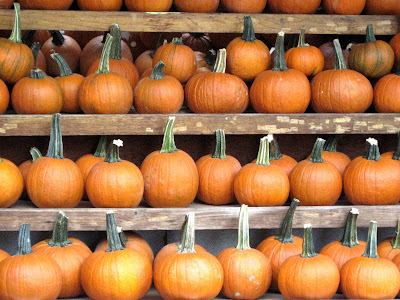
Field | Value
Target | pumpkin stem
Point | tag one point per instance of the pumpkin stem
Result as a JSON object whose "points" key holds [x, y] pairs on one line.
{"points": [[302, 38], [65, 70], [340, 63], [16, 35], [285, 234], [157, 72], [115, 32], [308, 243], [35, 153], [60, 232], [177, 41], [35, 72], [370, 37], [113, 239], [396, 242], [248, 30], [243, 232], [274, 150], [372, 150], [220, 146], [27, 39], [211, 57], [263, 151], [371, 250], [331, 143], [104, 66], [101, 150], [168, 145], [122, 236], [396, 155], [112, 155], [350, 233], [280, 62], [55, 145], [398, 70], [220, 63], [186, 244], [316, 154], [24, 240], [58, 38]]}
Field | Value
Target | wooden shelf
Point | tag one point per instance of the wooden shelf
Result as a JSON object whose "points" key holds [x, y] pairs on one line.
{"points": [[190, 22]]}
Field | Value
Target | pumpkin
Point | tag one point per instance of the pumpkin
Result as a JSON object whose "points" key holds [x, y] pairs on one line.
{"points": [[41, 61], [387, 92], [25, 275], [11, 183], [395, 44], [247, 272], [4, 97], [328, 51], [132, 39], [206, 60], [396, 261], [35, 36], [148, 73], [197, 41], [124, 273], [118, 64], [46, 4], [69, 83], [6, 4], [184, 271], [316, 181], [179, 60], [280, 90], [343, 7], [395, 155], [276, 158], [340, 90], [158, 94], [170, 175], [293, 6], [3, 255], [382, 7], [197, 6], [100, 5], [64, 45], [37, 94], [308, 275], [305, 58], [260, 183], [153, 40], [390, 247], [144, 61], [114, 182], [148, 5], [244, 6], [54, 181], [368, 276], [82, 37], [280, 247], [246, 57], [372, 180], [24, 168], [16, 59], [68, 253], [217, 173], [374, 58], [105, 92]]}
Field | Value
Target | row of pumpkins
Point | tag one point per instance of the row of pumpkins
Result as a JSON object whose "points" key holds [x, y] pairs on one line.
{"points": [[112, 86], [171, 178], [123, 266], [342, 7]]}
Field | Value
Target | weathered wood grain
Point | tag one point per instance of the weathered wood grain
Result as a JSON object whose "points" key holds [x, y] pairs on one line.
{"points": [[185, 22]]}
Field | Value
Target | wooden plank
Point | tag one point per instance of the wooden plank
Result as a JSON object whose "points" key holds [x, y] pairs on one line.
{"points": [[209, 217], [202, 124], [186, 22]]}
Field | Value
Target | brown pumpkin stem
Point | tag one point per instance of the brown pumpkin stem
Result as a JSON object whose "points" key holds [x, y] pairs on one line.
{"points": [[350, 233], [104, 66], [35, 72], [372, 150], [55, 145], [302, 38], [122, 236], [187, 242], [113, 239], [371, 250], [168, 145], [243, 232], [35, 153], [101, 150], [211, 57], [157, 72], [263, 151], [65, 70], [24, 240], [308, 243], [16, 35], [396, 154], [396, 242], [280, 62], [103, 41], [370, 37], [274, 150], [248, 30], [115, 32], [112, 155], [331, 143], [220, 63], [286, 232], [58, 38], [340, 63], [177, 41], [220, 146], [316, 154], [60, 232]]}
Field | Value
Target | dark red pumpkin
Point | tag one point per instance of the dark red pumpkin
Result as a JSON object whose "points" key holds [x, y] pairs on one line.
{"points": [[46, 4], [4, 97], [153, 40], [82, 37], [293, 6], [387, 93], [197, 42], [383, 7], [100, 5], [328, 51], [343, 7], [244, 6], [148, 5], [197, 6], [6, 4], [390, 247]]}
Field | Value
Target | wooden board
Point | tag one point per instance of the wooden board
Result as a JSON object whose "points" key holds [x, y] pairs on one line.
{"points": [[186, 22]]}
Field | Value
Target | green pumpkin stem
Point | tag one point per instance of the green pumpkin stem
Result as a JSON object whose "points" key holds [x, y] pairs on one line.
{"points": [[263, 151], [308, 243], [248, 30], [286, 232], [65, 70], [177, 41], [274, 150], [168, 145], [104, 66], [280, 62], [60, 232], [55, 145], [340, 63], [58, 38], [157, 72], [396, 242], [220, 63], [113, 239], [398, 70], [24, 240], [302, 38], [372, 150], [316, 154], [16, 35], [115, 32], [243, 231], [101, 150], [370, 37], [331, 143], [35, 72], [186, 245], [220, 146], [112, 155], [396, 154], [350, 233], [371, 250], [35, 153], [122, 236], [211, 57]]}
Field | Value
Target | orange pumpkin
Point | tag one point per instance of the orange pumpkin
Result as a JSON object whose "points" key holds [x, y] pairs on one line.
{"points": [[396, 261], [6, 4], [244, 6], [206, 60], [100, 5], [216, 91], [390, 247], [144, 61], [24, 168], [378, 277], [328, 51], [279, 248], [343, 7], [382, 7], [197, 6], [54, 181], [170, 175], [217, 173], [68, 253], [387, 92], [293, 6], [395, 44], [148, 5], [3, 255], [276, 158], [11, 183], [46, 4], [280, 90], [4, 97]]}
